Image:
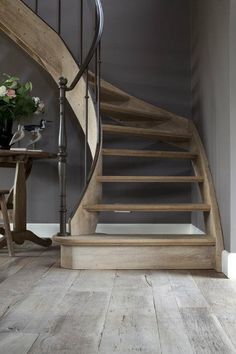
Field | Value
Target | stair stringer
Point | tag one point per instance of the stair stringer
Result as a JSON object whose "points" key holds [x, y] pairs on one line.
{"points": [[120, 102], [212, 219], [46, 47]]}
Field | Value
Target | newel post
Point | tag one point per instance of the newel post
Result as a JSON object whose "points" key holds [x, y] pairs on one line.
{"points": [[62, 157]]}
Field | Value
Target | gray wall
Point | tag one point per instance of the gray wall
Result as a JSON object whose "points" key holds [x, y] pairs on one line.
{"points": [[146, 51], [43, 182], [210, 94], [232, 75]]}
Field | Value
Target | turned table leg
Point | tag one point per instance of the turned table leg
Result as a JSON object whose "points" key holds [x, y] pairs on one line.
{"points": [[19, 199]]}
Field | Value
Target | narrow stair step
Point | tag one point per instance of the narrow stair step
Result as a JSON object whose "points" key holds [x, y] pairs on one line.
{"points": [[152, 179], [124, 111], [148, 207], [138, 240], [109, 95], [109, 92], [146, 133], [149, 153]]}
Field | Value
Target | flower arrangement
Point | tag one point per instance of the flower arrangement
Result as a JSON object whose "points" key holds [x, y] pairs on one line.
{"points": [[15, 99]]}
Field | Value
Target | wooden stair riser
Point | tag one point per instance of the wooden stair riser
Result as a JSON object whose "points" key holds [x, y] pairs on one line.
{"points": [[137, 257]]}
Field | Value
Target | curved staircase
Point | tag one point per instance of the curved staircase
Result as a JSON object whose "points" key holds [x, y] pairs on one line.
{"points": [[124, 117]]}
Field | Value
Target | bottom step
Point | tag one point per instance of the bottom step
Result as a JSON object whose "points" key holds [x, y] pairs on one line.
{"points": [[137, 252]]}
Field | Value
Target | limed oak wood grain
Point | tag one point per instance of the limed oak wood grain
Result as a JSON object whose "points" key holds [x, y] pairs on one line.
{"points": [[149, 207], [173, 334], [137, 257], [205, 332], [132, 240], [114, 311], [131, 325], [150, 179], [212, 220], [145, 133], [149, 154]]}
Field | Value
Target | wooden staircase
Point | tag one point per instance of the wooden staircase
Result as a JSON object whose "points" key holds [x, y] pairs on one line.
{"points": [[145, 251], [128, 117]]}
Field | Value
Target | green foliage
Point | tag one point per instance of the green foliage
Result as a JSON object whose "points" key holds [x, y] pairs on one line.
{"points": [[15, 99]]}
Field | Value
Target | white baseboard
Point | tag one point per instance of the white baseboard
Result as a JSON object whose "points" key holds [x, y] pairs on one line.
{"points": [[49, 230], [44, 230], [229, 264]]}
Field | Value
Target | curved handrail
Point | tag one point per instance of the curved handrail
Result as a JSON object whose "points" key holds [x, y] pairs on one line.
{"points": [[95, 43], [83, 68], [62, 154]]}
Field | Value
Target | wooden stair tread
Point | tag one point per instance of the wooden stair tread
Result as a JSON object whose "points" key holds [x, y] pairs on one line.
{"points": [[148, 207], [149, 153], [108, 91], [137, 240], [126, 111], [110, 95], [143, 132], [162, 179]]}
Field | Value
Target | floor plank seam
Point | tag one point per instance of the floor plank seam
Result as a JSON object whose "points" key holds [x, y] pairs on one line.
{"points": [[28, 351], [23, 294], [105, 318], [216, 319], [48, 335], [149, 282], [11, 263]]}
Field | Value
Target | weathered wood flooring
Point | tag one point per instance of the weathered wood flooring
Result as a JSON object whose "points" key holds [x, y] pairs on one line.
{"points": [[45, 309]]}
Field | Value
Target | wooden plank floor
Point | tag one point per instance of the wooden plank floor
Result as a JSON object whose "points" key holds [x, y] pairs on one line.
{"points": [[46, 309]]}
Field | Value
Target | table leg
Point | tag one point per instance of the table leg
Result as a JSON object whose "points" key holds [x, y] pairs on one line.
{"points": [[19, 198], [20, 233], [28, 168]]}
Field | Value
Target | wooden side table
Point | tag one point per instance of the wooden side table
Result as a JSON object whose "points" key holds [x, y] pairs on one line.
{"points": [[22, 161]]}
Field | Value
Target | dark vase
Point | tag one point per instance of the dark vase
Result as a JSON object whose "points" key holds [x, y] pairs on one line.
{"points": [[5, 132]]}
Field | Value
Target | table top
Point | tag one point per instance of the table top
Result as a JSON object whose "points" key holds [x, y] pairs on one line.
{"points": [[31, 154]]}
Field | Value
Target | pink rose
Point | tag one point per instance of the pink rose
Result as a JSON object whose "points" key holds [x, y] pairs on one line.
{"points": [[11, 93], [41, 107]]}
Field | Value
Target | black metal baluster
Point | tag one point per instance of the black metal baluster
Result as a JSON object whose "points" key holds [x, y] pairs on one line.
{"points": [[62, 156], [59, 17], [36, 7], [96, 62], [99, 80], [81, 30], [86, 128]]}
